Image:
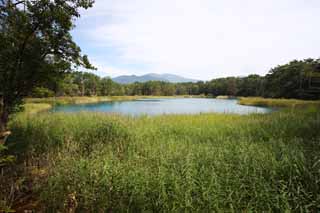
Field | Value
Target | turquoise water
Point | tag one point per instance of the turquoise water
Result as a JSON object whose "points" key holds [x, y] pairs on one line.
{"points": [[165, 106]]}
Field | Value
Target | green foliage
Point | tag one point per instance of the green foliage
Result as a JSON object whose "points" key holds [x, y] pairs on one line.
{"points": [[5, 159], [35, 47], [41, 92], [297, 79], [253, 85], [174, 163]]}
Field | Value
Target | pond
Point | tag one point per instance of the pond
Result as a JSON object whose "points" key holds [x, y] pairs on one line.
{"points": [[165, 106]]}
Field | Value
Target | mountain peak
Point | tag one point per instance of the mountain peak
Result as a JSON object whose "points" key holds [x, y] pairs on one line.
{"points": [[128, 79]]}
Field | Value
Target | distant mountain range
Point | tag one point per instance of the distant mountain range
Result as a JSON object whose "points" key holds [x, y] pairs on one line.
{"points": [[128, 79]]}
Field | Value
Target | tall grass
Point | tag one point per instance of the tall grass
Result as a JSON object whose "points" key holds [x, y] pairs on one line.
{"points": [[32, 108], [77, 100], [174, 163], [271, 102], [93, 99]]}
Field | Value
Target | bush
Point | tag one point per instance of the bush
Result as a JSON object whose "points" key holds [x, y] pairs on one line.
{"points": [[41, 92]]}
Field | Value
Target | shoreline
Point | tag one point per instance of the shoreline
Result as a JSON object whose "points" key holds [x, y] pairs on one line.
{"points": [[35, 105]]}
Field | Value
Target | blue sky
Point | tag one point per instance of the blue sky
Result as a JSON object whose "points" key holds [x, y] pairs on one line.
{"points": [[201, 39]]}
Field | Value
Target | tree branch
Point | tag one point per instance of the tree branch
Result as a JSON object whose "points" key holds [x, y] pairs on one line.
{"points": [[19, 2], [20, 53]]}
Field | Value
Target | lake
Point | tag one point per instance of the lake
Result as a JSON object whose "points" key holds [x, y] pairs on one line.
{"points": [[165, 106]]}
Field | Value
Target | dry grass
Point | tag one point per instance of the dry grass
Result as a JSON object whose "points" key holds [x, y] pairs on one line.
{"points": [[270, 102], [93, 99]]}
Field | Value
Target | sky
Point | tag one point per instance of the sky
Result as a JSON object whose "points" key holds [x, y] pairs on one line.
{"points": [[200, 39]]}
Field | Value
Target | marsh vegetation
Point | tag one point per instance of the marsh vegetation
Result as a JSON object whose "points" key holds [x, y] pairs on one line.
{"points": [[205, 162]]}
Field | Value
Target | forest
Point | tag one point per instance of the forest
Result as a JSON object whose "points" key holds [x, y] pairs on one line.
{"points": [[298, 79]]}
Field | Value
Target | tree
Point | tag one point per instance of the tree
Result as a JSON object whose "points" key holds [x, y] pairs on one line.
{"points": [[169, 89], [297, 79], [251, 85], [35, 46], [91, 83], [106, 86]]}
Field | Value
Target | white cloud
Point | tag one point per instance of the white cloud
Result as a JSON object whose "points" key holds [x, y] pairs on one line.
{"points": [[204, 38], [106, 70]]}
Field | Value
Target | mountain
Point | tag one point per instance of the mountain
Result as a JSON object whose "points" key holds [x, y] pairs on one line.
{"points": [[128, 79]]}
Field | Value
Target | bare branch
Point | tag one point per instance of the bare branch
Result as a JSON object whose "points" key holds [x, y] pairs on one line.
{"points": [[18, 2]]}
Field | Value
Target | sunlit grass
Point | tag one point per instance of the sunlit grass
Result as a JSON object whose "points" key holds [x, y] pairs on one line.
{"points": [[31, 108], [270, 102], [174, 163], [77, 100], [94, 99]]}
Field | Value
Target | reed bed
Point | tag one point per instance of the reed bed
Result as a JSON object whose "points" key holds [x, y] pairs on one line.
{"points": [[77, 100], [173, 163], [272, 102], [95, 99]]}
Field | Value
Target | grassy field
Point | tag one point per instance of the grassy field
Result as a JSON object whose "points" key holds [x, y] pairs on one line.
{"points": [[172, 163]]}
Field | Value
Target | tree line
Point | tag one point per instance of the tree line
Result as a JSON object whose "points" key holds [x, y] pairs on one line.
{"points": [[297, 79]]}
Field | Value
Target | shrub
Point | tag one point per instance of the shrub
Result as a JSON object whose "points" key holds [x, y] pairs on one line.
{"points": [[41, 92]]}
